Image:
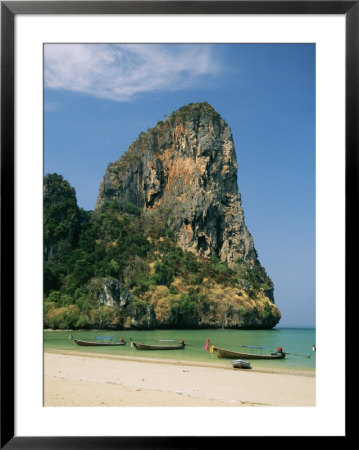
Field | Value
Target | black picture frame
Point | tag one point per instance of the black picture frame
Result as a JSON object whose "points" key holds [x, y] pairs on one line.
{"points": [[9, 9]]}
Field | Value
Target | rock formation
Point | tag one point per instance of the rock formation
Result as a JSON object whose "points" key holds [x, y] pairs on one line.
{"points": [[185, 170], [61, 214], [166, 246], [113, 292]]}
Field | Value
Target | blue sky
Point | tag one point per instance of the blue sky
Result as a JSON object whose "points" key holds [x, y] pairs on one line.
{"points": [[98, 98]]}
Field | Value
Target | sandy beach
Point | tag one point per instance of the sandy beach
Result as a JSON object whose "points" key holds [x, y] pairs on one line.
{"points": [[79, 379]]}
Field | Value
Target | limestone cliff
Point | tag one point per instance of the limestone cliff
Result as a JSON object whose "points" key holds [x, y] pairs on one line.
{"points": [[167, 245], [185, 171]]}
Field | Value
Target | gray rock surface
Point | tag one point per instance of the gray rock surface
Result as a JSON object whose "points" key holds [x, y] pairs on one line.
{"points": [[113, 292], [185, 171]]}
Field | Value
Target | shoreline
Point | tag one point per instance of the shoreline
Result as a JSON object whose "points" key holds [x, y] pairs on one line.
{"points": [[180, 362], [74, 378]]}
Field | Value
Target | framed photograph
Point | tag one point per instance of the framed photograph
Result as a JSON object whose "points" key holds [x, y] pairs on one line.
{"points": [[176, 176]]}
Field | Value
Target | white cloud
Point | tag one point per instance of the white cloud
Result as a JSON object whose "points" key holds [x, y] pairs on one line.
{"points": [[52, 106], [120, 71]]}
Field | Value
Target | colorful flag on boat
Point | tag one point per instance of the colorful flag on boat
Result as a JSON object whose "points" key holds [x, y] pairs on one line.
{"points": [[206, 347], [211, 350]]}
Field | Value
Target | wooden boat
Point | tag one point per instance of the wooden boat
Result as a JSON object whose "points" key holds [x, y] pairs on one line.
{"points": [[222, 353], [99, 343], [241, 364], [141, 346]]}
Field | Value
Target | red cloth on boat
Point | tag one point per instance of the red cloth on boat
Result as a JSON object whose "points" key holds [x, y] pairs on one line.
{"points": [[206, 347]]}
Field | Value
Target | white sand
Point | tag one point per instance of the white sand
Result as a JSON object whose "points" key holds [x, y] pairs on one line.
{"points": [[107, 380]]}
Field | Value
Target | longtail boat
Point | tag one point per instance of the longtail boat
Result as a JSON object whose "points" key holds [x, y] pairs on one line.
{"points": [[222, 353], [142, 346], [103, 342]]}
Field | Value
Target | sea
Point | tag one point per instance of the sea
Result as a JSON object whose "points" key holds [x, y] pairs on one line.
{"points": [[297, 343]]}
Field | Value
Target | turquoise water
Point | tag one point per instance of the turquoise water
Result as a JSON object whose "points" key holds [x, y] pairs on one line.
{"points": [[298, 341]]}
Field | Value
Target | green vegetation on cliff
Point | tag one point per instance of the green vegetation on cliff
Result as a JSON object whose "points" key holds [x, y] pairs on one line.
{"points": [[117, 268]]}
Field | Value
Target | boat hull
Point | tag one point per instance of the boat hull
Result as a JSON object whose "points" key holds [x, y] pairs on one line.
{"points": [[141, 346], [241, 364], [97, 344], [222, 353]]}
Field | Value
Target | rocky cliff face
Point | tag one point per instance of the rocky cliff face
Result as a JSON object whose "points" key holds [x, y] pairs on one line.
{"points": [[167, 245], [185, 171]]}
